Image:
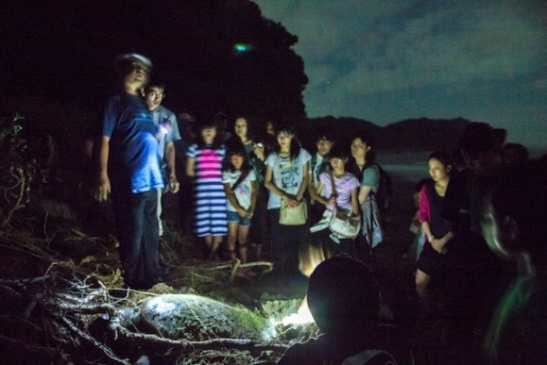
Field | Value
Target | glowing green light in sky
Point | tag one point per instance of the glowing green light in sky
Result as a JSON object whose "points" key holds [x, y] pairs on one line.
{"points": [[241, 47]]}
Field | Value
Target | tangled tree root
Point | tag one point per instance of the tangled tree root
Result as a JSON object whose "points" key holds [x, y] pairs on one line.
{"points": [[53, 317]]}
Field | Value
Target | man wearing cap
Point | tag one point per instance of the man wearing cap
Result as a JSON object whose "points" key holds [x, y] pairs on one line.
{"points": [[129, 170]]}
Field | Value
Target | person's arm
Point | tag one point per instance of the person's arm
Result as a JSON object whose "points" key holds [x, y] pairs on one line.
{"points": [[425, 213], [363, 193], [269, 184], [439, 244], [355, 200], [190, 166], [253, 199], [103, 188], [312, 190], [371, 178], [321, 199], [233, 200], [305, 181], [170, 158]]}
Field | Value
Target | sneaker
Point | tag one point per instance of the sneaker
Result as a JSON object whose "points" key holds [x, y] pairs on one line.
{"points": [[323, 223]]}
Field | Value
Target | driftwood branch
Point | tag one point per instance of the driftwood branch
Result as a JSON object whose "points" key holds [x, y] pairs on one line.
{"points": [[163, 344]]}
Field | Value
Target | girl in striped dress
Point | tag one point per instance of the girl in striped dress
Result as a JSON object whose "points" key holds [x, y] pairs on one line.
{"points": [[204, 166]]}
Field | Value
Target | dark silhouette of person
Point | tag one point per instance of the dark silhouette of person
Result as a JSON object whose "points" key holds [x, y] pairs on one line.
{"points": [[473, 273], [514, 224], [344, 300]]}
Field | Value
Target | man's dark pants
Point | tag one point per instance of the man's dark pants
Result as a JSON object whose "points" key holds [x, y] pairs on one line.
{"points": [[138, 233]]}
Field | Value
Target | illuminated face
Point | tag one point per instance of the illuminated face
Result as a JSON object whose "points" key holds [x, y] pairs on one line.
{"points": [[437, 170], [154, 97], [284, 139], [138, 75], [241, 128], [324, 146], [359, 148], [338, 164], [208, 135], [236, 161]]}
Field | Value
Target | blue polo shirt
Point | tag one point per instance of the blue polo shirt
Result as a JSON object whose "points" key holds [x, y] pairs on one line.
{"points": [[134, 156]]}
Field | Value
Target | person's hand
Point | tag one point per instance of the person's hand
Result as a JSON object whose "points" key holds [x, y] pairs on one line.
{"points": [[289, 201], [242, 212], [103, 188], [250, 213], [167, 125], [438, 245], [331, 200], [174, 184], [258, 150], [163, 128]]}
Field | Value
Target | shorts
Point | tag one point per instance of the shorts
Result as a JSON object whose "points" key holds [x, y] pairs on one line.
{"points": [[431, 262], [234, 217]]}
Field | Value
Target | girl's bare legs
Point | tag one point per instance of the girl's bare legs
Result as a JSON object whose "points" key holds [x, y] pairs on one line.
{"points": [[232, 240], [243, 237], [422, 282], [212, 243], [208, 240], [216, 241]]}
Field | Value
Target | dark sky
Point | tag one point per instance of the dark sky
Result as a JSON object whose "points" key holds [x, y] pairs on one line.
{"points": [[385, 61], [382, 61]]}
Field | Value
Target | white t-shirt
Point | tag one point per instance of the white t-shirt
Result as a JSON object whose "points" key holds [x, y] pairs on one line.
{"points": [[242, 191], [287, 174]]}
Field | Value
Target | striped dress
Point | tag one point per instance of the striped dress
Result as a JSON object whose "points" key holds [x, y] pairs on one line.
{"points": [[208, 195]]}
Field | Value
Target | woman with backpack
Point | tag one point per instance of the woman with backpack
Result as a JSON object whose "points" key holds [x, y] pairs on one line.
{"points": [[367, 172]]}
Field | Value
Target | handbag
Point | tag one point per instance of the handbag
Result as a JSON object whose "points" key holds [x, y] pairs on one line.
{"points": [[343, 223], [293, 216]]}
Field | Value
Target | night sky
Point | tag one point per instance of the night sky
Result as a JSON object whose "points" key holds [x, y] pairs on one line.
{"points": [[385, 61]]}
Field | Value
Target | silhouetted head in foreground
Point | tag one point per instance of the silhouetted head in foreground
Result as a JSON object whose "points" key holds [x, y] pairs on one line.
{"points": [[514, 215], [343, 298]]}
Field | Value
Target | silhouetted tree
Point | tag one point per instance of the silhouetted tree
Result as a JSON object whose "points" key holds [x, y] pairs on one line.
{"points": [[213, 54]]}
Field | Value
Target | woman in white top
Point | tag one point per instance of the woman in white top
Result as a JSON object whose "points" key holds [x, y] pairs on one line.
{"points": [[286, 178]]}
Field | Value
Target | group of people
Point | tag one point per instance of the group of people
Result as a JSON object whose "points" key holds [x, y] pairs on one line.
{"points": [[245, 185], [472, 214], [485, 225], [242, 183]]}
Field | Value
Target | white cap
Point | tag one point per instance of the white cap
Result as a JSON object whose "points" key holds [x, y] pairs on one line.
{"points": [[127, 57]]}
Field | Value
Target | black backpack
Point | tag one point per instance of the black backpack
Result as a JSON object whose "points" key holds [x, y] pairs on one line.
{"points": [[384, 195]]}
